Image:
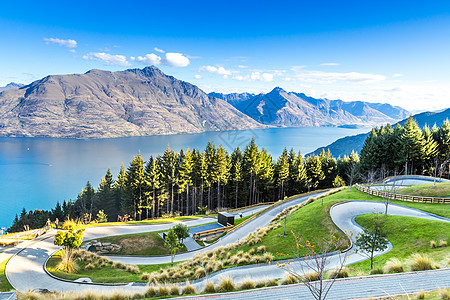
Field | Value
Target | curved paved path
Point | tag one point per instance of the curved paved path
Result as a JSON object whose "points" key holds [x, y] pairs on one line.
{"points": [[25, 270]]}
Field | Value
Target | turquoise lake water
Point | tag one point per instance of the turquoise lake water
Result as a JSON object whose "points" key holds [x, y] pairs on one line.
{"points": [[38, 172]]}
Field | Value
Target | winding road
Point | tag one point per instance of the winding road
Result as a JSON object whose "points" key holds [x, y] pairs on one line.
{"points": [[25, 269]]}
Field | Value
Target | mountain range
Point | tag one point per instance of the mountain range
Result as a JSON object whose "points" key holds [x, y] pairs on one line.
{"points": [[345, 145], [134, 102], [111, 104], [288, 109]]}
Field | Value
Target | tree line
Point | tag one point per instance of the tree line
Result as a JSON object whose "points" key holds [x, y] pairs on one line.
{"points": [[407, 150], [193, 181]]}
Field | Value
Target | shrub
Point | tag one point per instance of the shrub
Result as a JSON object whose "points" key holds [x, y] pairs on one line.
{"points": [[210, 267], [444, 293], [256, 259], [188, 289], [420, 262], [163, 290], [342, 273], [251, 251], [133, 269], [145, 276], [393, 265], [268, 257], [226, 284], [421, 295], [247, 285], [150, 293], [234, 259], [153, 277], [174, 290], [433, 244], [289, 279], [218, 266], [164, 276], [200, 272], [376, 271], [209, 288], [442, 243], [242, 261], [68, 225], [312, 276], [67, 263], [240, 253], [119, 265], [260, 284], [271, 282], [89, 267], [261, 249]]}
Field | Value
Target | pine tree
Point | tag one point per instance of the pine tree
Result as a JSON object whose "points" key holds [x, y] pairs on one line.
{"points": [[412, 144], [136, 184], [314, 170], [121, 191], [186, 176], [282, 172], [169, 174], [236, 173]]}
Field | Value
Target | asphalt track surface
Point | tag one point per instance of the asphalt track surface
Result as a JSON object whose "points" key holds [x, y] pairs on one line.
{"points": [[25, 270]]}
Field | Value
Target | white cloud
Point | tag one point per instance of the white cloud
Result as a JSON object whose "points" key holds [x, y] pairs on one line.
{"points": [[255, 76], [73, 50], [148, 59], [108, 59], [330, 64], [176, 60], [242, 66], [330, 77], [171, 59], [66, 43], [159, 50], [216, 70], [397, 75], [198, 76]]}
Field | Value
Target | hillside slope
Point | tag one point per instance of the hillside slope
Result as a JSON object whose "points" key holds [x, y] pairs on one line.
{"points": [[111, 104]]}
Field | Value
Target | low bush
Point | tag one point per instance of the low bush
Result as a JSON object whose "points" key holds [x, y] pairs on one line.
{"points": [[247, 285], [150, 293], [174, 290], [163, 290], [133, 269], [312, 276], [376, 271], [260, 284], [261, 249], [188, 289], [268, 257], [209, 288], [226, 284], [442, 243], [289, 279], [271, 282], [393, 265], [421, 295], [200, 273], [89, 267], [420, 262], [342, 273], [251, 251], [433, 244], [145, 276]]}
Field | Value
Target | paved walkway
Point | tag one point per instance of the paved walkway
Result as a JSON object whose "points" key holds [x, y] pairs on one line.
{"points": [[190, 244], [24, 271], [351, 288]]}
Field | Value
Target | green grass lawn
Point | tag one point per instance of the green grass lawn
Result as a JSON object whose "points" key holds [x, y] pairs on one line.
{"points": [[408, 235], [4, 283], [429, 190], [147, 244]]}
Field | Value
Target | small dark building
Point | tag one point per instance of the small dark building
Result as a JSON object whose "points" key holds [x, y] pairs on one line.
{"points": [[226, 218]]}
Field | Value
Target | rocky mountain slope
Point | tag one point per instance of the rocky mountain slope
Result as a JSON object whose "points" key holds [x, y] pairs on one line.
{"points": [[111, 104], [281, 108]]}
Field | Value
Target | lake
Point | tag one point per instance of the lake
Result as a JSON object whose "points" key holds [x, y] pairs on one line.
{"points": [[35, 173]]}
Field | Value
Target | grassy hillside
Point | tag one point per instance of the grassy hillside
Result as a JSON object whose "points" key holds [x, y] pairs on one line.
{"points": [[428, 190]]}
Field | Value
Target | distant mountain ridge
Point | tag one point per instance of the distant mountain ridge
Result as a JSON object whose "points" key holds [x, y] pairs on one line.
{"points": [[100, 104], [11, 86], [345, 145], [290, 109]]}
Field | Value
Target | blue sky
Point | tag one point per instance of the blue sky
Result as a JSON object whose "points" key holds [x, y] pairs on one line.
{"points": [[379, 51]]}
